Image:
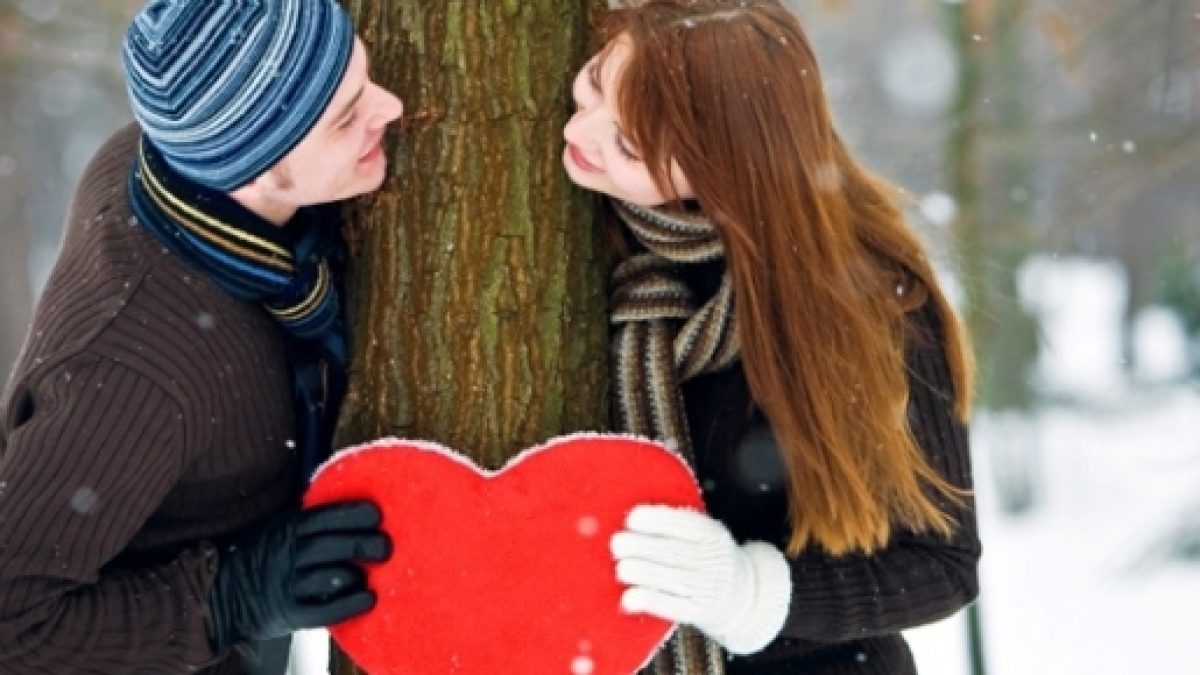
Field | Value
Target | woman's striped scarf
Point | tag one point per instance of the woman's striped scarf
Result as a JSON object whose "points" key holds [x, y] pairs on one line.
{"points": [[663, 337], [289, 270]]}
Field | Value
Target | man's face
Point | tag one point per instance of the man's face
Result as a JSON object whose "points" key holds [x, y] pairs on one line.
{"points": [[342, 156]]}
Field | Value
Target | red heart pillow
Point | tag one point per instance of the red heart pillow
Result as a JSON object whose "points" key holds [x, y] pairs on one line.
{"points": [[506, 571]]}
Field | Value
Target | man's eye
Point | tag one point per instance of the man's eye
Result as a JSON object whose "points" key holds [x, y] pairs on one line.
{"points": [[347, 123]]}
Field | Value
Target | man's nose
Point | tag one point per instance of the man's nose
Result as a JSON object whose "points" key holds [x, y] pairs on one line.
{"points": [[388, 107]]}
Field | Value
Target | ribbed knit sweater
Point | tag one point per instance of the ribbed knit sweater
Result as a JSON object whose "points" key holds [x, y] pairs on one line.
{"points": [[148, 419], [846, 612]]}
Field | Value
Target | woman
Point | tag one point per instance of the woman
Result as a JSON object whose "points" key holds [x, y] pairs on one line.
{"points": [[778, 322]]}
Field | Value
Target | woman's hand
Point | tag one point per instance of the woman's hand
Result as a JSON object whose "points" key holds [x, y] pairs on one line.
{"points": [[685, 567]]}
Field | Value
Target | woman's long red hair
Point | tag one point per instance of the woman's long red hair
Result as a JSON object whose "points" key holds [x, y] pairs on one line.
{"points": [[815, 245]]}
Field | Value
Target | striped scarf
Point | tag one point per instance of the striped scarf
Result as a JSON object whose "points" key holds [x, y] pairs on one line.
{"points": [[662, 339], [285, 269]]}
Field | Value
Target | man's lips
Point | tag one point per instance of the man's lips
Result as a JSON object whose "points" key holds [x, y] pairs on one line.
{"points": [[373, 149], [581, 161]]}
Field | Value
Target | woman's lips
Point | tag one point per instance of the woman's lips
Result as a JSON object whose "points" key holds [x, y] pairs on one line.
{"points": [[581, 161]]}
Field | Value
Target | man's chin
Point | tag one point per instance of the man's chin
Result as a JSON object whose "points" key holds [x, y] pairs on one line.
{"points": [[363, 188], [376, 184]]}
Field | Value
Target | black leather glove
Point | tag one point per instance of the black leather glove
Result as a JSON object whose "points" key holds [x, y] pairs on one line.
{"points": [[297, 572]]}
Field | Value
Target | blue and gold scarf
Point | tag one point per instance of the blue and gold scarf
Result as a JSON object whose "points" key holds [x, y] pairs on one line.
{"points": [[292, 271]]}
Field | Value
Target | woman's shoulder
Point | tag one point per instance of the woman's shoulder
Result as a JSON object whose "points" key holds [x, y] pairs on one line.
{"points": [[922, 314]]}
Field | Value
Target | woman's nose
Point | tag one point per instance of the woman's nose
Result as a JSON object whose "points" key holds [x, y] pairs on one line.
{"points": [[572, 129], [584, 119]]}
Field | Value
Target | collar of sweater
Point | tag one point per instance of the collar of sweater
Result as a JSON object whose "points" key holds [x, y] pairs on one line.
{"points": [[287, 269], [253, 258]]}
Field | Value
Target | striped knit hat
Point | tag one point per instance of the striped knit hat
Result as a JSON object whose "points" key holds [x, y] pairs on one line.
{"points": [[225, 88]]}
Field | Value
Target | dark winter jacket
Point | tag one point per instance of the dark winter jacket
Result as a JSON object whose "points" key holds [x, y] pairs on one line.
{"points": [[846, 612], [148, 419]]}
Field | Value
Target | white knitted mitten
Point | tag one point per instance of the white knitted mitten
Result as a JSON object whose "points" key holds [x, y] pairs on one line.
{"points": [[685, 567]]}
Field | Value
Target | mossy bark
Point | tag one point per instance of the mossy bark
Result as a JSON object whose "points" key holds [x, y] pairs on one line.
{"points": [[476, 282]]}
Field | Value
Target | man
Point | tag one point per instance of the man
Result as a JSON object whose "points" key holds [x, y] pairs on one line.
{"points": [[187, 357]]}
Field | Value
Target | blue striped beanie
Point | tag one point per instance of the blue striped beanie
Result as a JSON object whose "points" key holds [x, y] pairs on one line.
{"points": [[224, 89]]}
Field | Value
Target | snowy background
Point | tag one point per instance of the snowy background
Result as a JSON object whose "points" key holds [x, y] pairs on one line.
{"points": [[1086, 119], [1101, 576]]}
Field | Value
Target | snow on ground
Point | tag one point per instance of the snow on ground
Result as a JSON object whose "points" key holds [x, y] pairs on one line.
{"points": [[1081, 585]]}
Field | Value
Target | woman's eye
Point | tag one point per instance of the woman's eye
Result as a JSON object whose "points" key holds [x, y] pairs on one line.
{"points": [[347, 123], [623, 148]]}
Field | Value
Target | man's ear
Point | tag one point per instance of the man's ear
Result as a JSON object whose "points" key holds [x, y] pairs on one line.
{"points": [[250, 193], [265, 188], [277, 178], [253, 192]]}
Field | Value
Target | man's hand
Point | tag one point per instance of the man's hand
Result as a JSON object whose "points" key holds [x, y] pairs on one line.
{"points": [[298, 571]]}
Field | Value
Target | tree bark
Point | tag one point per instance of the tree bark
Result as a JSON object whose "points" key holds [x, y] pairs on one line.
{"points": [[476, 287]]}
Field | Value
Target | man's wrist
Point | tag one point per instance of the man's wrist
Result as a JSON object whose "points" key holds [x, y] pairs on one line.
{"points": [[222, 634]]}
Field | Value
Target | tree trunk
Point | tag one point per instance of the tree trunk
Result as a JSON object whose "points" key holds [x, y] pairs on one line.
{"points": [[1012, 347], [476, 287], [963, 167], [966, 23]]}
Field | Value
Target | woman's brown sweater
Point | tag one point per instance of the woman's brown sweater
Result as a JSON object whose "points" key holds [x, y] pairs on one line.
{"points": [[846, 612]]}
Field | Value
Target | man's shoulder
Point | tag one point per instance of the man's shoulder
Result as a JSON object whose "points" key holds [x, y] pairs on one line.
{"points": [[99, 233], [121, 145], [103, 180]]}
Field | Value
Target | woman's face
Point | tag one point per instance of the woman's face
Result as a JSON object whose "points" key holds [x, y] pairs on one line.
{"points": [[598, 155]]}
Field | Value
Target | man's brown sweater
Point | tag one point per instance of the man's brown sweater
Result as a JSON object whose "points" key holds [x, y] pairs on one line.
{"points": [[148, 419]]}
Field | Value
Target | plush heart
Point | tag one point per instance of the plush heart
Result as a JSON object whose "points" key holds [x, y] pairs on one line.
{"points": [[506, 571]]}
